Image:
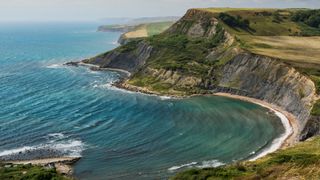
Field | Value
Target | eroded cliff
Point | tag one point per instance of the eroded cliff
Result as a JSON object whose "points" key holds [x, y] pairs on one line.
{"points": [[198, 54]]}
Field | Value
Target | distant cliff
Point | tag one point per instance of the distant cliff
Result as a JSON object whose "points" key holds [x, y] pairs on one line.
{"points": [[207, 51]]}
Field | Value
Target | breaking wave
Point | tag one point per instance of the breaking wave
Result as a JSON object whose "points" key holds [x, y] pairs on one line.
{"points": [[57, 146], [203, 164]]}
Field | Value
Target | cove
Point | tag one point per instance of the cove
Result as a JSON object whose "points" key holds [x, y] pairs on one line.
{"points": [[50, 110]]}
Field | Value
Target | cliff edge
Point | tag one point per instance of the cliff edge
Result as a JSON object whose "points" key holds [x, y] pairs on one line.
{"points": [[218, 50]]}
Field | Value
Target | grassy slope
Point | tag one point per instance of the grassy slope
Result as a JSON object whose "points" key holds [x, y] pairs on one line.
{"points": [[299, 162], [20, 172], [149, 29], [179, 53], [280, 38]]}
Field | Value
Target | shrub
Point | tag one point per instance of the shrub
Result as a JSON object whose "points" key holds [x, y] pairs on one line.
{"points": [[309, 17], [236, 22]]}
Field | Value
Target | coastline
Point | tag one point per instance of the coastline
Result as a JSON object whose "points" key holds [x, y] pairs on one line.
{"points": [[98, 68], [63, 165], [289, 122]]}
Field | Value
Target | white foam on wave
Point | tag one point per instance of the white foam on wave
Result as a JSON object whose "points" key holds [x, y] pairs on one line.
{"points": [[59, 135], [165, 97], [71, 147], [110, 86], [276, 143], [55, 66], [174, 168], [209, 164], [115, 43], [204, 164]]}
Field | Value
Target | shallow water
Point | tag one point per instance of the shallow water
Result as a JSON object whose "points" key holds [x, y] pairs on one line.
{"points": [[51, 110]]}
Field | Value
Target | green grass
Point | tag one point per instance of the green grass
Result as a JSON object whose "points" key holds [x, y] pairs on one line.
{"points": [[299, 162], [157, 28], [316, 109], [26, 172], [183, 54], [262, 21], [178, 53]]}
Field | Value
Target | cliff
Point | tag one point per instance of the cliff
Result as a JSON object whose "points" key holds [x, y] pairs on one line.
{"points": [[206, 52], [271, 81]]}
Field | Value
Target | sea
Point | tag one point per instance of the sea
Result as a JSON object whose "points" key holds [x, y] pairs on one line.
{"points": [[51, 110]]}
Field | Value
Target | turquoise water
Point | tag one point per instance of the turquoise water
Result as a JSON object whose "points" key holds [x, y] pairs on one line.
{"points": [[49, 110]]}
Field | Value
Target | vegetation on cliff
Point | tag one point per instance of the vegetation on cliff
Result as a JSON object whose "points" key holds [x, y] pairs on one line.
{"points": [[299, 162], [21, 172], [264, 53]]}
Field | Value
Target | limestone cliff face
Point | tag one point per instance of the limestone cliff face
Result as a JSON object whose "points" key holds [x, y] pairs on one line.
{"points": [[130, 61], [195, 23], [174, 78], [272, 81], [241, 73]]}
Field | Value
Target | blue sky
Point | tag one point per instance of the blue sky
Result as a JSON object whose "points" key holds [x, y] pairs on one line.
{"points": [[86, 10]]}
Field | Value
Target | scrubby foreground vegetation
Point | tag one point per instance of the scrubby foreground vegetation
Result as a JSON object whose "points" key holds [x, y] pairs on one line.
{"points": [[26, 172], [299, 162]]}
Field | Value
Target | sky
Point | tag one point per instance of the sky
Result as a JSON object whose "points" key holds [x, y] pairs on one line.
{"points": [[92, 10]]}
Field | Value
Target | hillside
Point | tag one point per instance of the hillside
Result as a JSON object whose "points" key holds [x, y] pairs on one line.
{"points": [[299, 162], [134, 31], [268, 54], [145, 30], [30, 172]]}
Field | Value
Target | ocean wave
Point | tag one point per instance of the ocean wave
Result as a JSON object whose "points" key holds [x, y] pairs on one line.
{"points": [[58, 135], [212, 163], [203, 164], [58, 146], [165, 97], [55, 66], [174, 168], [115, 43]]}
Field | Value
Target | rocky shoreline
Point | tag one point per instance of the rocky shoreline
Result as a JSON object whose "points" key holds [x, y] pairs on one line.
{"points": [[288, 141], [63, 165]]}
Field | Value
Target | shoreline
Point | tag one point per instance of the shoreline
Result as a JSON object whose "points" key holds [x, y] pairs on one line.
{"points": [[98, 68], [63, 165], [288, 120]]}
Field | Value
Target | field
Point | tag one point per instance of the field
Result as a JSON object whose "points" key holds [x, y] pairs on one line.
{"points": [[299, 162], [302, 51], [149, 29]]}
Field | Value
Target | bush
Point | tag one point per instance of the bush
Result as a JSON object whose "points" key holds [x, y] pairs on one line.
{"points": [[309, 17], [236, 22]]}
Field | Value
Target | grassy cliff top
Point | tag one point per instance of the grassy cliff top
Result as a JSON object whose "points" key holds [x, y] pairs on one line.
{"points": [[292, 35], [148, 29], [29, 172], [299, 162]]}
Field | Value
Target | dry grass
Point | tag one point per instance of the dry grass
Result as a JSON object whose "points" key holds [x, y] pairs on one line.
{"points": [[289, 48], [140, 31], [220, 10], [148, 29]]}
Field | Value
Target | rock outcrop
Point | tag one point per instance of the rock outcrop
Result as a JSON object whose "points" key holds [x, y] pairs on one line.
{"points": [[129, 61], [234, 70], [272, 81]]}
